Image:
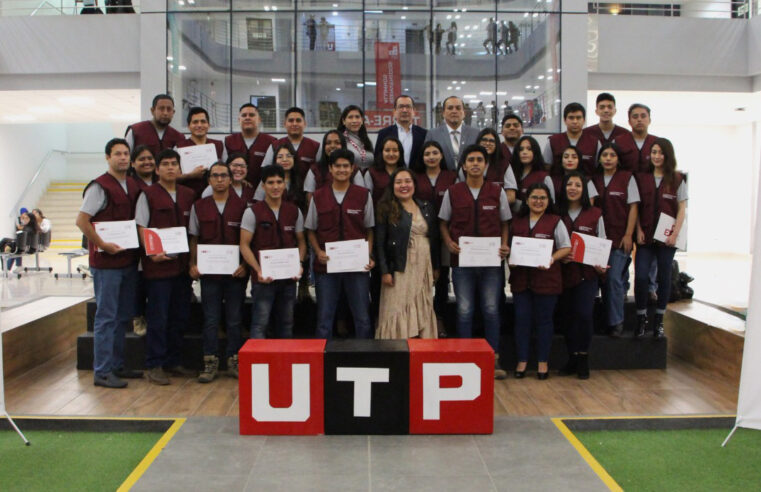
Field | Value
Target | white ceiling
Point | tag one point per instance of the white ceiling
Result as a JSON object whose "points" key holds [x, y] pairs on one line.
{"points": [[70, 106]]}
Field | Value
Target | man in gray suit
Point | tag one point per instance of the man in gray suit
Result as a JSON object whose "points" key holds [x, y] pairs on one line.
{"points": [[453, 135]]}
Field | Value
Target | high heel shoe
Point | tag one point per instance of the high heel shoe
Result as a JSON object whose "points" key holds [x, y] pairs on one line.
{"points": [[541, 376]]}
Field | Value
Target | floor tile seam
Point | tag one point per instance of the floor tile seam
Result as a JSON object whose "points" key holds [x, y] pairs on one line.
{"points": [[483, 462], [369, 464], [253, 464]]}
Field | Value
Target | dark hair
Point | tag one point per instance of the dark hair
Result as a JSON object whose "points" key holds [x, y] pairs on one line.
{"points": [[401, 96], [38, 211], [218, 164], [139, 150], [605, 96], [159, 97], [295, 191], [638, 106], [603, 148], [469, 150], [248, 105], [273, 170], [295, 109], [381, 164], [669, 162], [419, 165], [341, 154], [524, 210], [389, 207], [167, 154], [362, 133], [236, 155], [496, 158], [511, 116], [537, 163], [572, 108], [444, 103], [197, 110], [322, 164], [113, 142], [557, 168], [562, 197]]}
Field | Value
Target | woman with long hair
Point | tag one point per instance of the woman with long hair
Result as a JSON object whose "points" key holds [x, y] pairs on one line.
{"points": [[285, 156], [498, 168], [528, 166], [569, 162], [378, 177], [352, 126]]}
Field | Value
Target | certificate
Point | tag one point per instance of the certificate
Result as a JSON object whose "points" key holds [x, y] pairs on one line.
{"points": [[531, 252], [280, 264], [123, 233], [171, 240], [479, 251], [590, 250], [347, 256], [197, 155], [665, 228], [217, 259]]}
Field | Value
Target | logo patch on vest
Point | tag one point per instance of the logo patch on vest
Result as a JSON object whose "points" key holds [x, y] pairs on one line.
{"points": [[233, 224], [186, 212], [585, 228], [261, 154], [489, 207], [353, 211], [289, 228], [541, 235], [669, 196], [616, 193]]}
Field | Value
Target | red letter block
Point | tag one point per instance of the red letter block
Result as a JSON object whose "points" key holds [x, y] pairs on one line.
{"points": [[451, 386], [280, 387]]}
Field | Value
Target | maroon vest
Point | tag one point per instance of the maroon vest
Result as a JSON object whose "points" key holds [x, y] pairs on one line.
{"points": [[496, 173], [199, 184], [434, 194], [255, 154], [654, 200], [585, 223], [119, 206], [307, 153], [247, 195], [381, 181], [166, 213], [142, 184], [477, 218], [633, 158], [507, 152], [271, 232], [595, 131], [342, 222], [587, 147], [612, 200], [547, 282], [216, 228], [531, 178], [144, 133]]}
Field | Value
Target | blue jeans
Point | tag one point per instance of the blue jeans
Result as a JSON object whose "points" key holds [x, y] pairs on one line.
{"points": [[166, 314], [114, 292], [577, 306], [534, 310], [356, 287], [279, 296], [216, 292], [663, 256], [614, 290], [487, 282]]}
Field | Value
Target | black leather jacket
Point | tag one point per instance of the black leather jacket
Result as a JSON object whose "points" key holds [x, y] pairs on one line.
{"points": [[391, 241]]}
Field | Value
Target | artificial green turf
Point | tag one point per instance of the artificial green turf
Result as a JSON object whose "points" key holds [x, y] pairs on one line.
{"points": [[676, 460], [59, 460]]}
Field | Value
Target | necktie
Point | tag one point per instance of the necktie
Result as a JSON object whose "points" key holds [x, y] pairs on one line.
{"points": [[456, 143]]}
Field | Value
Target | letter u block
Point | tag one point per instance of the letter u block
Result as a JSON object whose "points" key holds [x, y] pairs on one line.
{"points": [[280, 387], [367, 387], [451, 386]]}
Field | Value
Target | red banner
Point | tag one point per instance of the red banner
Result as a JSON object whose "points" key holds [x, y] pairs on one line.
{"points": [[388, 75]]}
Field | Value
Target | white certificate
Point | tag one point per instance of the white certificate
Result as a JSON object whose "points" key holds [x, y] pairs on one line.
{"points": [[531, 251], [479, 251], [123, 233], [280, 264], [171, 240], [197, 155], [217, 259], [590, 250], [665, 228], [347, 256]]}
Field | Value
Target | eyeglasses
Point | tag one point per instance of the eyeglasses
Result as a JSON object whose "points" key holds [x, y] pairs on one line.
{"points": [[538, 198], [219, 175], [283, 157]]}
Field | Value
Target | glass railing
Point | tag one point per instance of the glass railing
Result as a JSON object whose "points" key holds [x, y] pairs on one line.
{"points": [[712, 9], [67, 7]]}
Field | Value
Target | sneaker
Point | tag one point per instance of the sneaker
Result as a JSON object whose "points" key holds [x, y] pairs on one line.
{"points": [[110, 380], [210, 368], [499, 373], [232, 366], [128, 373], [139, 326], [156, 375]]}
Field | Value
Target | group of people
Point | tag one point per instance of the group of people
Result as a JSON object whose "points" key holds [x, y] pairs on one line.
{"points": [[414, 197], [29, 228]]}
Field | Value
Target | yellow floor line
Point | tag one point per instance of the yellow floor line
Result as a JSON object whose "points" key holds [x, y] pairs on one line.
{"points": [[152, 455]]}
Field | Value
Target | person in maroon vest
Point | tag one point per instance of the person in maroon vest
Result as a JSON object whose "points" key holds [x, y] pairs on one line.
{"points": [[319, 173], [198, 124], [618, 200], [512, 130], [250, 142], [305, 148], [165, 204], [476, 207], [273, 223], [635, 146], [498, 168], [239, 170], [378, 177], [216, 220], [569, 163], [142, 166], [580, 282], [432, 180], [536, 290], [340, 212], [586, 144], [663, 191], [286, 157], [156, 133], [529, 168], [605, 131], [111, 197]]}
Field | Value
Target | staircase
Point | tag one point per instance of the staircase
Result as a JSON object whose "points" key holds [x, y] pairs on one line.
{"points": [[60, 204]]}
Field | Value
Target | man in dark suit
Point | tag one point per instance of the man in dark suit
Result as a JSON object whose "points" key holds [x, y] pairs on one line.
{"points": [[411, 136], [453, 135]]}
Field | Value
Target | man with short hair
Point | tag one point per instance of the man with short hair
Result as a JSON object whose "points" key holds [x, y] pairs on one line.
{"points": [[574, 116], [157, 133], [512, 130], [411, 136], [306, 148], [453, 135], [635, 146], [198, 124], [250, 141], [111, 197], [605, 108], [340, 212]]}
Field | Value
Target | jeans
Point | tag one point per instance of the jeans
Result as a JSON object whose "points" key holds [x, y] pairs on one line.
{"points": [[114, 292], [215, 290], [577, 306], [166, 314], [487, 282], [356, 286], [663, 256], [441, 293], [140, 296], [614, 290], [537, 310], [653, 276], [279, 295]]}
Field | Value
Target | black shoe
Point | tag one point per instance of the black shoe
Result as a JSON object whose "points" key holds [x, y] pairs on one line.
{"points": [[109, 381], [658, 332], [583, 366], [639, 331], [519, 374], [542, 375], [616, 331], [128, 374], [571, 365]]}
